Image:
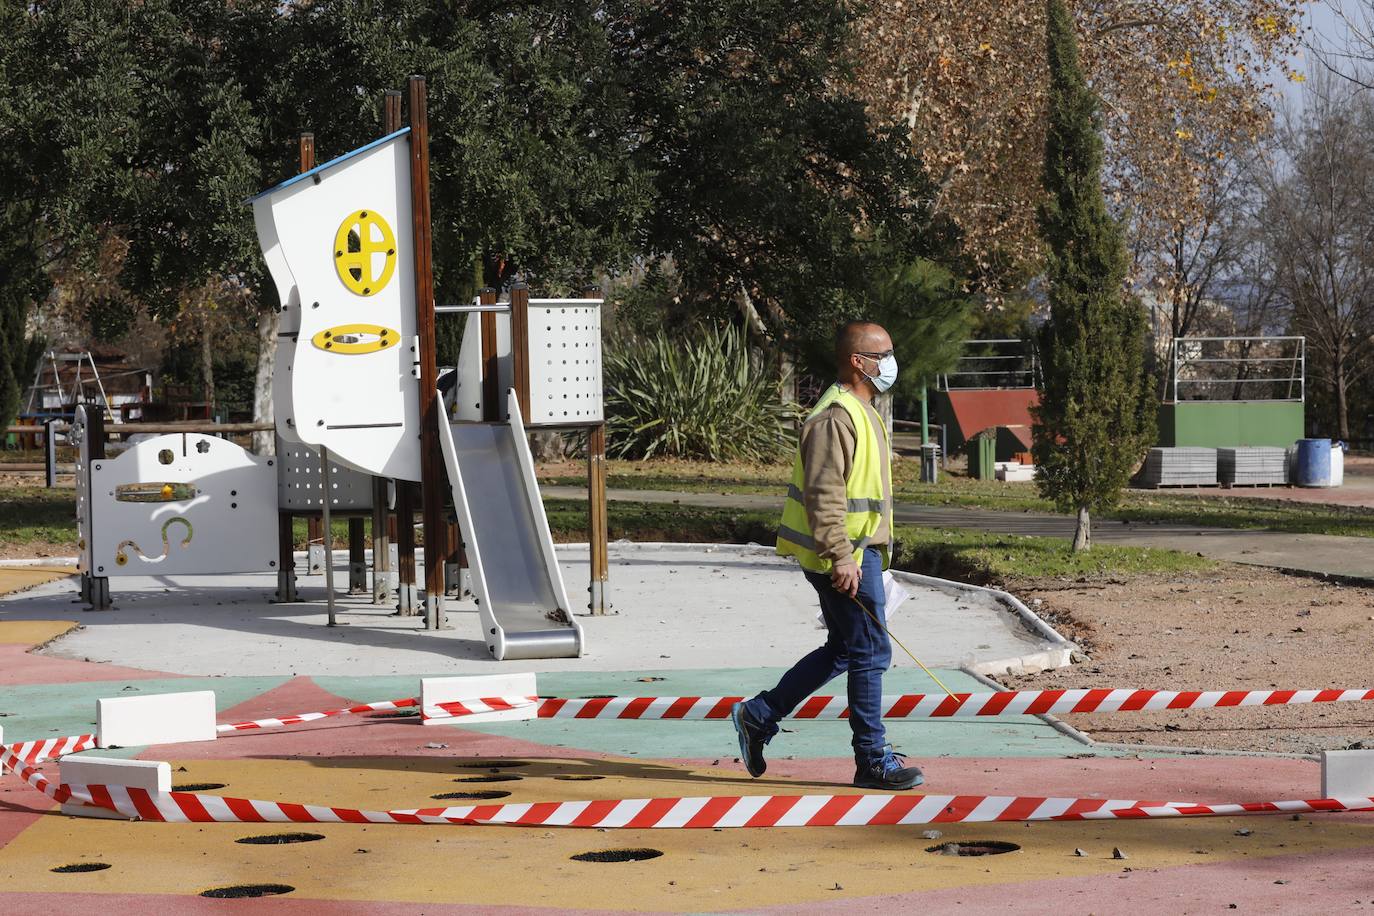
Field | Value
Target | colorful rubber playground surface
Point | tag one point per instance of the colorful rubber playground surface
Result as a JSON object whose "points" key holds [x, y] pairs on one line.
{"points": [[389, 760]]}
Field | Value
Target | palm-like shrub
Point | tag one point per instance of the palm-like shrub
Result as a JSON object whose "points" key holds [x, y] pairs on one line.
{"points": [[699, 394]]}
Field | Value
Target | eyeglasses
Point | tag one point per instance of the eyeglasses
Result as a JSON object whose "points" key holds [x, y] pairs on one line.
{"points": [[883, 355]]}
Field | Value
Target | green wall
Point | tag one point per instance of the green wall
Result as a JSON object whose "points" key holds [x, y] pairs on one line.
{"points": [[1224, 424]]}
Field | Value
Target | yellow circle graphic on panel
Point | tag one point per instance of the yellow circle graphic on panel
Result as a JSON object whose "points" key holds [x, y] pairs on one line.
{"points": [[365, 252]]}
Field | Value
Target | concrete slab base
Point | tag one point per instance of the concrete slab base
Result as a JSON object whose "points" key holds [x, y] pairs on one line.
{"points": [[163, 718], [79, 771], [1347, 774]]}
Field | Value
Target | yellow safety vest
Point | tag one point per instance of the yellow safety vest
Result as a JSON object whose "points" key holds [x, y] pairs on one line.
{"points": [[866, 507]]}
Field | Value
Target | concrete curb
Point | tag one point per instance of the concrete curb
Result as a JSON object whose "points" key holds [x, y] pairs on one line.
{"points": [[39, 561], [1058, 655]]}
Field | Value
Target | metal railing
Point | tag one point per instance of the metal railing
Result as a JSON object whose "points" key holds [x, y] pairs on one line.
{"points": [[998, 369], [1220, 369]]}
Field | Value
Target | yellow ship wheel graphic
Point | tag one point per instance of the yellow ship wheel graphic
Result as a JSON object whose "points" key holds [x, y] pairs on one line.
{"points": [[355, 338], [365, 252]]}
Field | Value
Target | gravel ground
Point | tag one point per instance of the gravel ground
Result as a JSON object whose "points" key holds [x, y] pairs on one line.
{"points": [[1239, 628]]}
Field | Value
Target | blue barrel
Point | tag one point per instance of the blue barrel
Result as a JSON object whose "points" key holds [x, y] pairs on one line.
{"points": [[1314, 463]]}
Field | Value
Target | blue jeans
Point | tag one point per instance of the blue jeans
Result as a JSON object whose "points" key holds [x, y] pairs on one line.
{"points": [[856, 645]]}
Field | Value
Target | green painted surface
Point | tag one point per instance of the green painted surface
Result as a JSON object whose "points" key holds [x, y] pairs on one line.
{"points": [[1018, 736], [1228, 424], [48, 710], [51, 710]]}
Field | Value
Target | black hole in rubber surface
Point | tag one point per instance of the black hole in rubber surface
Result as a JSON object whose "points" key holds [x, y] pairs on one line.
{"points": [[495, 777], [77, 868], [494, 765], [397, 714], [617, 855], [197, 786], [598, 696], [578, 777], [279, 839], [241, 891], [974, 848], [485, 794]]}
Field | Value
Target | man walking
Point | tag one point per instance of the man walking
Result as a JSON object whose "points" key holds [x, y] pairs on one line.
{"points": [[837, 522]]}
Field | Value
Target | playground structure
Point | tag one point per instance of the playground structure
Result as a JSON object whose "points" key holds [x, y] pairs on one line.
{"points": [[984, 403], [347, 244], [1227, 392]]}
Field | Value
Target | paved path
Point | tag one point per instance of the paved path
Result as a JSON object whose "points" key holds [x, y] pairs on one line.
{"points": [[1309, 553]]}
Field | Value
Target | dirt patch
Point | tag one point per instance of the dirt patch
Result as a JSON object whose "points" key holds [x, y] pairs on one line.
{"points": [[1239, 628]]}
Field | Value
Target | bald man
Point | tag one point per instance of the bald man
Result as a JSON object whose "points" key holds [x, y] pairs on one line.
{"points": [[837, 522]]}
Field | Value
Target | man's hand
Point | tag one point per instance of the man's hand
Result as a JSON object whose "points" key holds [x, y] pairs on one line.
{"points": [[846, 577]]}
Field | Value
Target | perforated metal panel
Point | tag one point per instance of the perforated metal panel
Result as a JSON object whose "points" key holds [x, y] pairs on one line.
{"points": [[565, 362], [299, 485]]}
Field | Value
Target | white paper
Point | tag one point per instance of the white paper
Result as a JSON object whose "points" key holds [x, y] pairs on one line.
{"points": [[894, 594]]}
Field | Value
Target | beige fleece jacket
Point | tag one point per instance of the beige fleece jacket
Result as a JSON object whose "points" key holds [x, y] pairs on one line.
{"points": [[828, 441]]}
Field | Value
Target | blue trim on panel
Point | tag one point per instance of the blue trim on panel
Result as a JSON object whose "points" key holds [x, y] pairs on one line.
{"points": [[338, 160]]}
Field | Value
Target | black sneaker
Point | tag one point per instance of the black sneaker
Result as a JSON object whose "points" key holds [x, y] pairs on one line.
{"points": [[887, 772], [751, 741]]}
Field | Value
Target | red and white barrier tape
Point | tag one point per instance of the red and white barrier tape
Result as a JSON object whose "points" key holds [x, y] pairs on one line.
{"points": [[916, 705], [639, 813], [313, 716], [728, 811]]}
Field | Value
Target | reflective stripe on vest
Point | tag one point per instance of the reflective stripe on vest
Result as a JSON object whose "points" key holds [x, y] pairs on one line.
{"points": [[865, 507]]}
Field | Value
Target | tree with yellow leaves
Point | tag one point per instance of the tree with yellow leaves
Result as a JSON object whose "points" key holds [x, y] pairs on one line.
{"points": [[1181, 82]]}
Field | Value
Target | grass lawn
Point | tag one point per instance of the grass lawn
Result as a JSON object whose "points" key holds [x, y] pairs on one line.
{"points": [[35, 518], [1137, 506]]}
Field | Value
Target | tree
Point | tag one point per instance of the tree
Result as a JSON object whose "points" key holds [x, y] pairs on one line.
{"points": [[768, 173], [1179, 81], [1096, 414], [1317, 222]]}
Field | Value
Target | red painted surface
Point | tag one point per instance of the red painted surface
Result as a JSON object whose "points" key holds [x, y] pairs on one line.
{"points": [[367, 735], [975, 411], [20, 666]]}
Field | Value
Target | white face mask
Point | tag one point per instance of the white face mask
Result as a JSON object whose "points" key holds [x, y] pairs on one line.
{"points": [[887, 373]]}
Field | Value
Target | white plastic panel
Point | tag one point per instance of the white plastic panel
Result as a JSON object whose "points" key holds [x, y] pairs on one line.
{"points": [[468, 397], [361, 403], [290, 317], [83, 496], [182, 504], [565, 362]]}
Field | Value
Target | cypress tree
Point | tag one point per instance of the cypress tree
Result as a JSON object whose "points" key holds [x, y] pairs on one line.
{"points": [[1096, 416]]}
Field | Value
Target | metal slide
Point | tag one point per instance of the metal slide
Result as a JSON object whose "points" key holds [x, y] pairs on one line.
{"points": [[521, 600]]}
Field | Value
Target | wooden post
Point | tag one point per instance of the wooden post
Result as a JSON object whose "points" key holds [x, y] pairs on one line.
{"points": [[357, 556], [381, 543], [327, 488], [491, 371], [307, 149], [391, 111], [598, 533], [382, 522], [286, 535], [520, 346], [432, 476], [406, 594], [286, 555]]}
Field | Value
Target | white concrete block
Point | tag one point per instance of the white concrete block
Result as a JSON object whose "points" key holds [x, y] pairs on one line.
{"points": [[152, 775], [162, 718], [1347, 774], [435, 690]]}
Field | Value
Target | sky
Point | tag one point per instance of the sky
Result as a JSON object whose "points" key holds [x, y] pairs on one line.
{"points": [[1324, 25]]}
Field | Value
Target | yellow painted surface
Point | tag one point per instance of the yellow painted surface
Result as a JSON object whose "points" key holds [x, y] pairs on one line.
{"points": [[700, 870], [33, 632], [18, 578]]}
